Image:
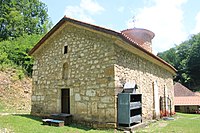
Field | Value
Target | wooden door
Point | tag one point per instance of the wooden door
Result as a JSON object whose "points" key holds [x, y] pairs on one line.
{"points": [[65, 101]]}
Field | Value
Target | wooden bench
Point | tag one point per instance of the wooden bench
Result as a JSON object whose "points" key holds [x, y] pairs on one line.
{"points": [[52, 122]]}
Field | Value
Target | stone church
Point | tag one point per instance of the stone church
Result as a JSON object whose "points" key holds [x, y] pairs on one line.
{"points": [[80, 68]]}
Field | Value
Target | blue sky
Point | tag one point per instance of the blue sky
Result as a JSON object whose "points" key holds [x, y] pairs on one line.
{"points": [[172, 21]]}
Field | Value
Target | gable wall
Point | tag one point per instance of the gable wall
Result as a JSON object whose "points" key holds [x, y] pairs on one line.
{"points": [[130, 67], [91, 75]]}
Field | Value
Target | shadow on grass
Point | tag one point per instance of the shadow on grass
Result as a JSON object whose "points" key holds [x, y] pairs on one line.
{"points": [[79, 126], [36, 118], [72, 125]]}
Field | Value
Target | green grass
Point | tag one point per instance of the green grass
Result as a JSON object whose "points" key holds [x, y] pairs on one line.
{"points": [[183, 123], [32, 124], [1, 108]]}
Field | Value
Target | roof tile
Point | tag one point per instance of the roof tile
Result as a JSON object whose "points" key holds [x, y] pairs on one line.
{"points": [[189, 100]]}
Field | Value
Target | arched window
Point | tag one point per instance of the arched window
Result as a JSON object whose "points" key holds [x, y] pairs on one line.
{"points": [[65, 71]]}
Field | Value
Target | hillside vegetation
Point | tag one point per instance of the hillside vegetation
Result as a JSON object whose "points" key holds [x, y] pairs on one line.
{"points": [[22, 24]]}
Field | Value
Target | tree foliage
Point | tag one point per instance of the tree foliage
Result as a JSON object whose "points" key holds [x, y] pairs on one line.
{"points": [[22, 24], [186, 59], [15, 52], [193, 61], [19, 17]]}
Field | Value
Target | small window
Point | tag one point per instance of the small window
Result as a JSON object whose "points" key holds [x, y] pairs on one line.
{"points": [[65, 49]]}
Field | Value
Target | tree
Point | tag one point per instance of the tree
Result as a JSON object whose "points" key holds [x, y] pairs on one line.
{"points": [[193, 60], [19, 17], [170, 56], [15, 52], [186, 59]]}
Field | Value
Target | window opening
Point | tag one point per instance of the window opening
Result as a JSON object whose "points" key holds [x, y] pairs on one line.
{"points": [[65, 49]]}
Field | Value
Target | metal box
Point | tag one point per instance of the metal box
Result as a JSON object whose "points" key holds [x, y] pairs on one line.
{"points": [[129, 109]]}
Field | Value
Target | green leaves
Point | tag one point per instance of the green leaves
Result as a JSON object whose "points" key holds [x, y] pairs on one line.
{"points": [[186, 59], [170, 56], [16, 52], [22, 23], [19, 17], [193, 60]]}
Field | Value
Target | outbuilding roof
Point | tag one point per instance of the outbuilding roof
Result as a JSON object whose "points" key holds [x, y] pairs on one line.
{"points": [[100, 29], [189, 100], [184, 96], [181, 91]]}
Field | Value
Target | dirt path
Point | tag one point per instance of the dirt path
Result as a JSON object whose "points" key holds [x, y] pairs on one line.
{"points": [[3, 114]]}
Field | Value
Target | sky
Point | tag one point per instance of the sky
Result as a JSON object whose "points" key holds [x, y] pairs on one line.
{"points": [[172, 21]]}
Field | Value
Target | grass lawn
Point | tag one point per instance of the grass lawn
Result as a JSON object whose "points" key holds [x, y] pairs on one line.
{"points": [[183, 123], [32, 124], [1, 107]]}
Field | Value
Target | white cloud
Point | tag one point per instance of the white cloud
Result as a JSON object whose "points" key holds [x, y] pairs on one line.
{"points": [[197, 26], [84, 10], [164, 18], [91, 6], [120, 9]]}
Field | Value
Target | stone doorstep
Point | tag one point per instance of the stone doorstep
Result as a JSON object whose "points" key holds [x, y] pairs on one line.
{"points": [[52, 122], [136, 127], [67, 118]]}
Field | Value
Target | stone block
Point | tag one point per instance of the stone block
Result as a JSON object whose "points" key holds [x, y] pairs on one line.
{"points": [[102, 105], [101, 92], [110, 92], [42, 98], [111, 84], [94, 98], [102, 80], [82, 92], [107, 99], [109, 71], [94, 108], [102, 115], [110, 115], [90, 93], [85, 98], [34, 98], [76, 90], [81, 108], [55, 90], [77, 97]]}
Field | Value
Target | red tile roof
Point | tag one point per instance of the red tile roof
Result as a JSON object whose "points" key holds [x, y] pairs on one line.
{"points": [[180, 91], [101, 29], [130, 33], [189, 100]]}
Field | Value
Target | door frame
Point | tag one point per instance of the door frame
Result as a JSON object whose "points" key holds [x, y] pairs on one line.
{"points": [[61, 100]]}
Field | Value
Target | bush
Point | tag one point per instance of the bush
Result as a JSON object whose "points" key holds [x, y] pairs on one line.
{"points": [[15, 53]]}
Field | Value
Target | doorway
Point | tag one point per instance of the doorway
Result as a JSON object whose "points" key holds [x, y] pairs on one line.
{"points": [[65, 101]]}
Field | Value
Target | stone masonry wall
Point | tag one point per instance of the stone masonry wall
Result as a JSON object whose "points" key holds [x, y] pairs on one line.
{"points": [[90, 78], [130, 67]]}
